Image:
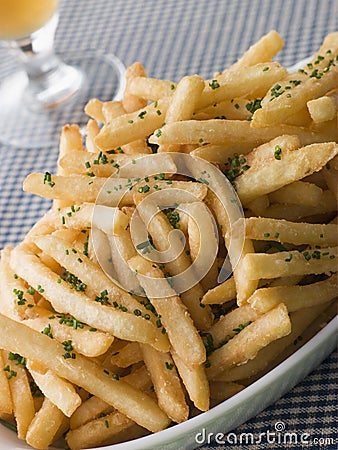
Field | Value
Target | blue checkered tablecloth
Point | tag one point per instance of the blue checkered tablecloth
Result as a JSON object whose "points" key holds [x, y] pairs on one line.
{"points": [[173, 38]]}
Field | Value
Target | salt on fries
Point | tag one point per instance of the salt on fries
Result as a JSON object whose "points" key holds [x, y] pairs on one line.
{"points": [[97, 343]]}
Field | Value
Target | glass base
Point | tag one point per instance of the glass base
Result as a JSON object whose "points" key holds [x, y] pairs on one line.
{"points": [[102, 77]]}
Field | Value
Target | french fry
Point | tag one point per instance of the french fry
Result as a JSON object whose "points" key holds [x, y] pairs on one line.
{"points": [[235, 109], [44, 225], [236, 247], [246, 344], [181, 108], [326, 207], [96, 281], [159, 228], [111, 220], [103, 165], [13, 291], [151, 88], [183, 104], [294, 233], [6, 404], [122, 249], [281, 264], [296, 97], [230, 324], [111, 110], [61, 393], [92, 130], [270, 150], [251, 81], [130, 354], [110, 192], [230, 132], [63, 328], [23, 404], [70, 140], [93, 109], [203, 241], [294, 297], [82, 372], [44, 426], [181, 331], [262, 50], [132, 126], [93, 407], [221, 293], [167, 383], [95, 314], [131, 102], [323, 108], [195, 381], [98, 431], [220, 390], [276, 173], [89, 409], [77, 189], [298, 193], [300, 321], [330, 42]]}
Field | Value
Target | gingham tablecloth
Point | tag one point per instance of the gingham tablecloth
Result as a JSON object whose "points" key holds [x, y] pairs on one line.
{"points": [[173, 38]]}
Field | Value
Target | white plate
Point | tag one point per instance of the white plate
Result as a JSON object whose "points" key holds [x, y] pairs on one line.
{"points": [[235, 411]]}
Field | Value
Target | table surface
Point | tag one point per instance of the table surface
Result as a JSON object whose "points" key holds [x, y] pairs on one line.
{"points": [[173, 38]]}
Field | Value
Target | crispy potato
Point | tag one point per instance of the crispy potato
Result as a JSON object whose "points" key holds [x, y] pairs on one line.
{"points": [[323, 108], [6, 404], [298, 193], [65, 300], [281, 264], [167, 383], [103, 165], [195, 381], [181, 331], [262, 228], [23, 403], [281, 102], [276, 173], [246, 344], [130, 354], [230, 132], [221, 293], [300, 321], [132, 126], [294, 297], [262, 50], [131, 102], [61, 393], [93, 109], [82, 372], [225, 328], [64, 328], [44, 426]]}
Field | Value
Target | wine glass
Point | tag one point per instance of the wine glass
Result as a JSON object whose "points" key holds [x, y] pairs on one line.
{"points": [[50, 90]]}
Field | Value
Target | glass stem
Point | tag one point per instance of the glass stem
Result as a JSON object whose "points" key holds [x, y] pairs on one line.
{"points": [[50, 81]]}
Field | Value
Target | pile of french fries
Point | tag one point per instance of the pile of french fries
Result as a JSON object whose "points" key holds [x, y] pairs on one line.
{"points": [[88, 352]]}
